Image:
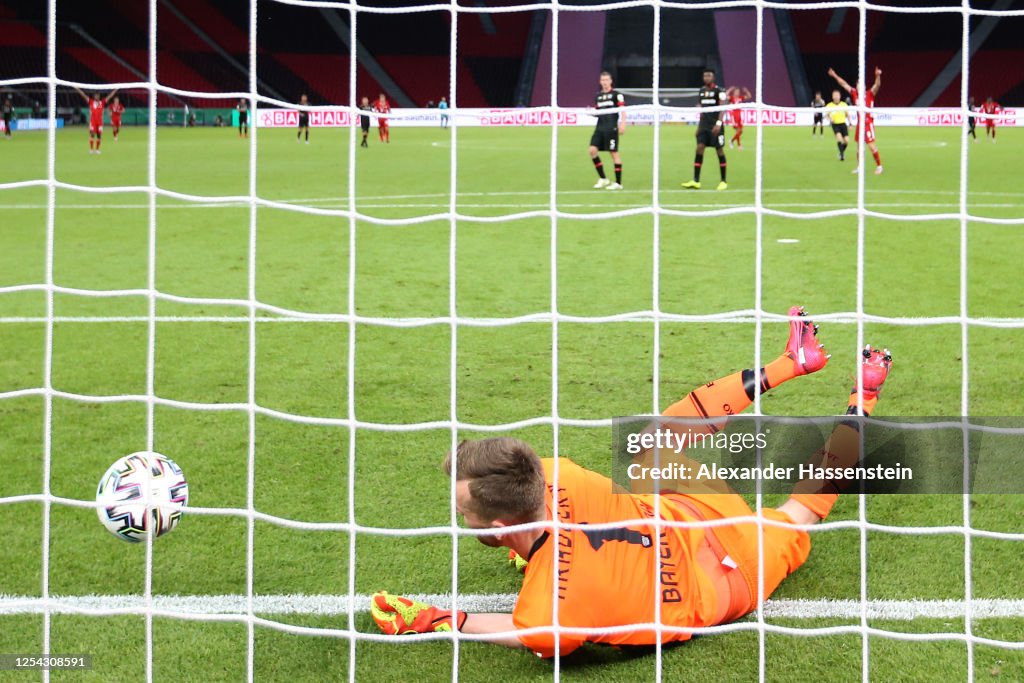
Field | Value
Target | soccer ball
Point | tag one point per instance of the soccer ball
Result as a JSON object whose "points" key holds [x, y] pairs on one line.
{"points": [[122, 492]]}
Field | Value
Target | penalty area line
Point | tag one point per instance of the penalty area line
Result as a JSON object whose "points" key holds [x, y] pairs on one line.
{"points": [[337, 605]]}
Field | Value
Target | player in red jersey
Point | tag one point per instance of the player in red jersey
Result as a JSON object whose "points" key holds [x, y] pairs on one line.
{"points": [[381, 106], [991, 109], [116, 110], [867, 116], [96, 107], [736, 95]]}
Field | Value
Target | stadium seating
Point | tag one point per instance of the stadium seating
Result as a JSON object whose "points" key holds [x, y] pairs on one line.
{"points": [[300, 52], [912, 49]]}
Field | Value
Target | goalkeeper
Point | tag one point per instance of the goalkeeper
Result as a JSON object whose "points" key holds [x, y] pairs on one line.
{"points": [[607, 577]]}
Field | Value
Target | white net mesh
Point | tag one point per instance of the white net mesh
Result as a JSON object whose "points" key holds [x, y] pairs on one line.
{"points": [[255, 610]]}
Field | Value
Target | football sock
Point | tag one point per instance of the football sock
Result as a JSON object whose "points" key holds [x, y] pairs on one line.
{"points": [[868, 403], [307, 134], [598, 166], [698, 160], [734, 393], [841, 450], [618, 173], [92, 143], [721, 166], [878, 158]]}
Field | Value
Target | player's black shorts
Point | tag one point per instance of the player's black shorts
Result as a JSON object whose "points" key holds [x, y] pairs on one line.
{"points": [[971, 122], [819, 118], [304, 119], [605, 140], [841, 129], [243, 117], [705, 137], [364, 123]]}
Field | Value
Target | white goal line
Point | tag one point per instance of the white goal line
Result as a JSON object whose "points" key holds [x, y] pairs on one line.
{"points": [[339, 605]]}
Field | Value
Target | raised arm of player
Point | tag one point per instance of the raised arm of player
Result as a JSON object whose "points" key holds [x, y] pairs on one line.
{"points": [[839, 79], [746, 93], [878, 81], [84, 96], [111, 95]]}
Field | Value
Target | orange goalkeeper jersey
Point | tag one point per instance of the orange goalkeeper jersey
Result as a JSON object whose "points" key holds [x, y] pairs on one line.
{"points": [[607, 577]]}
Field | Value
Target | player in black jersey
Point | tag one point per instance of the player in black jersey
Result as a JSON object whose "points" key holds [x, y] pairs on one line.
{"points": [[364, 119], [819, 113], [8, 108], [243, 118], [303, 119], [971, 122], [709, 130], [607, 131]]}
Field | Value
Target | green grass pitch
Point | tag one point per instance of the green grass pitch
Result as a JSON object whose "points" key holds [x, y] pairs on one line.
{"points": [[504, 374]]}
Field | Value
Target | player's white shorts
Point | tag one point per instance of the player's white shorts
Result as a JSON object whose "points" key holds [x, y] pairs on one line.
{"points": [[869, 132], [96, 129]]}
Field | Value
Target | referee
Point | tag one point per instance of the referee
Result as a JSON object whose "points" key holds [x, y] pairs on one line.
{"points": [[611, 123], [836, 110]]}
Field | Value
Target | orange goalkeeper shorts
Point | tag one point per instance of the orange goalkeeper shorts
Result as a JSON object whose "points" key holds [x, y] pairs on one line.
{"points": [[735, 545]]}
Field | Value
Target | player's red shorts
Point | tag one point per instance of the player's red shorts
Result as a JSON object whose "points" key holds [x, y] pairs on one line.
{"points": [[869, 132], [115, 121], [95, 128]]}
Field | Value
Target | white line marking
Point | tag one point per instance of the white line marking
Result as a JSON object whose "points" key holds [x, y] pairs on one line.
{"points": [[364, 204], [788, 241], [336, 605], [517, 193]]}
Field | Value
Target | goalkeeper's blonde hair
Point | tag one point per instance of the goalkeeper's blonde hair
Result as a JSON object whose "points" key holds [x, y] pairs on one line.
{"points": [[506, 480]]}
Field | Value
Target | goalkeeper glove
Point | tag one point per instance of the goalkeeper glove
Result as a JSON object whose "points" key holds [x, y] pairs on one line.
{"points": [[398, 616], [517, 561]]}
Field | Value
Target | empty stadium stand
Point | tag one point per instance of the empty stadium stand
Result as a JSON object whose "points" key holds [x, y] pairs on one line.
{"points": [[203, 46]]}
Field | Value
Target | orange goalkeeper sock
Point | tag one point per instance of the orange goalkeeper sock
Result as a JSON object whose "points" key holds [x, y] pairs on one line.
{"points": [[841, 450], [870, 400], [819, 503], [732, 394]]}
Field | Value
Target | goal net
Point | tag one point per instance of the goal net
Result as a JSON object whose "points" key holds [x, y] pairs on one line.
{"points": [[308, 358]]}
